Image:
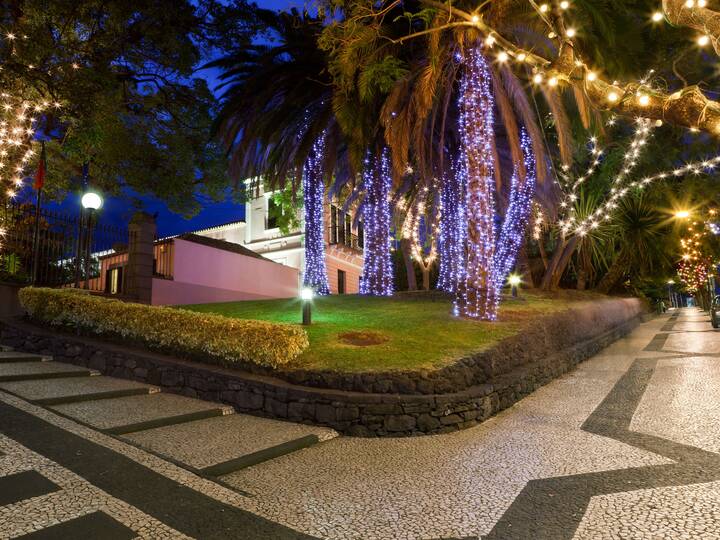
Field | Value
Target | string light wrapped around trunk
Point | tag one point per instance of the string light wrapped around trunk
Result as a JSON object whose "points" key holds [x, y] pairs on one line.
{"points": [[315, 275], [377, 277], [517, 215], [476, 296], [453, 230]]}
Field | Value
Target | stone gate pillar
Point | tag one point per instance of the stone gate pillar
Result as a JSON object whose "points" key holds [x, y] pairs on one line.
{"points": [[141, 258]]}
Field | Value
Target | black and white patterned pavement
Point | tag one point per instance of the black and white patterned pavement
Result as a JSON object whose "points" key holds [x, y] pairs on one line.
{"points": [[627, 446]]}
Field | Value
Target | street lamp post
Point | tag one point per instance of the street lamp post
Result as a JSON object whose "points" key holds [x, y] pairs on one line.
{"points": [[307, 295], [671, 296], [514, 280], [91, 202]]}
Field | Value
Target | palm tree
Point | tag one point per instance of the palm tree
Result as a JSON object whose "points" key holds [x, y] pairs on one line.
{"points": [[429, 73], [277, 121], [640, 234]]}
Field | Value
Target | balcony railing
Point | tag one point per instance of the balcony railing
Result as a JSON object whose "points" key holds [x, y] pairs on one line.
{"points": [[340, 237]]}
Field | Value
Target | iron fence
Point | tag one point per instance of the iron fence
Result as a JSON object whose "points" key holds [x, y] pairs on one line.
{"points": [[53, 249], [340, 236]]}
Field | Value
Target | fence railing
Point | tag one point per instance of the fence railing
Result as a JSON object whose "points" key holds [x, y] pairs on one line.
{"points": [[54, 249], [341, 237]]}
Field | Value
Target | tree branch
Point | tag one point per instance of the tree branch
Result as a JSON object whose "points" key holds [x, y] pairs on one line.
{"points": [[701, 19]]}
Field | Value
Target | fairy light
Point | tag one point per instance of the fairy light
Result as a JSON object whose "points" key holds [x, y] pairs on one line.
{"points": [[512, 234], [315, 275], [604, 211], [453, 230], [377, 276], [476, 295], [417, 219]]}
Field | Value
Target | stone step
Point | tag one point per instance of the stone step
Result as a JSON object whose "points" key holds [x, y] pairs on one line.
{"points": [[229, 443], [5, 348], [75, 389], [135, 413], [10, 357], [25, 371]]}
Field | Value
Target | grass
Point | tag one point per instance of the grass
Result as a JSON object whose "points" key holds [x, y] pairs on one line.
{"points": [[404, 332]]}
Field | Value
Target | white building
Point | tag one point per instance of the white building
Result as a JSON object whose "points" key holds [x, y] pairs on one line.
{"points": [[259, 233]]}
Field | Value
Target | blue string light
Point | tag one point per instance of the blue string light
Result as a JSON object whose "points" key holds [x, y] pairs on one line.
{"points": [[476, 296], [377, 277], [315, 275], [453, 230], [517, 215]]}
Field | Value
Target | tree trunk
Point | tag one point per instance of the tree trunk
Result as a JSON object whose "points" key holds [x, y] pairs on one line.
{"points": [[558, 264], [406, 250], [581, 279], [377, 277], [543, 253], [315, 271], [426, 277], [477, 294], [613, 275]]}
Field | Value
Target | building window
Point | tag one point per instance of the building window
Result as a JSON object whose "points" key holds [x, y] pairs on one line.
{"points": [[273, 209], [333, 224]]}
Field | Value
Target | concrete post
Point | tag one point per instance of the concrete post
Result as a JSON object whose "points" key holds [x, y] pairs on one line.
{"points": [[141, 257]]}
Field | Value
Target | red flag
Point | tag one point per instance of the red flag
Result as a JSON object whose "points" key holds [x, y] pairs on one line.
{"points": [[41, 171]]}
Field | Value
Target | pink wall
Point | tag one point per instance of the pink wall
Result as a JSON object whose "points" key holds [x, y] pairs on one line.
{"points": [[341, 258], [206, 274]]}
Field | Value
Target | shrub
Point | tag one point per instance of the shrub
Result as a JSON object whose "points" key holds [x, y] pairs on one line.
{"points": [[178, 331]]}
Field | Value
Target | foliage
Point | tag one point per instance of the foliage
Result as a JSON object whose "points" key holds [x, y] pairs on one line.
{"points": [[285, 210], [277, 101], [124, 74], [417, 330], [178, 331]]}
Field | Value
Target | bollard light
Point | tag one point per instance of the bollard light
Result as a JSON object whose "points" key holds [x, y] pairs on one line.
{"points": [[307, 295], [514, 280]]}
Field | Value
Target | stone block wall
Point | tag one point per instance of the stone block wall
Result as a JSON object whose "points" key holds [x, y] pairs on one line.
{"points": [[350, 412]]}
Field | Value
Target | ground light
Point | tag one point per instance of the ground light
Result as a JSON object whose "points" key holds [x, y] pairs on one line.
{"points": [[307, 295], [514, 280]]}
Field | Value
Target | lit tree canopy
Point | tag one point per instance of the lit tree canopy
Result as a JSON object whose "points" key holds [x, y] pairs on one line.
{"points": [[124, 75]]}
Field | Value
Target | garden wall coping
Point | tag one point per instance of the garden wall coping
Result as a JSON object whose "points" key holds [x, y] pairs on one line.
{"points": [[348, 411]]}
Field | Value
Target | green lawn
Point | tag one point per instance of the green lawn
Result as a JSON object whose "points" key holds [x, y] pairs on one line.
{"points": [[415, 332]]}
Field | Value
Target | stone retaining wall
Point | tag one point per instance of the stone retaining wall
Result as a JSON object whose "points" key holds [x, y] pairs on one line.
{"points": [[350, 412]]}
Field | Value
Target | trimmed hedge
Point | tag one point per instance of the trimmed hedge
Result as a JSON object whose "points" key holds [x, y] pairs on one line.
{"points": [[179, 331]]}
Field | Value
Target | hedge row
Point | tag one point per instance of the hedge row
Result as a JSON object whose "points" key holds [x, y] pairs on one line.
{"points": [[197, 335]]}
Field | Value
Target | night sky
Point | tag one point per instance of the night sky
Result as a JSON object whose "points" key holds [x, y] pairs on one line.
{"points": [[118, 210]]}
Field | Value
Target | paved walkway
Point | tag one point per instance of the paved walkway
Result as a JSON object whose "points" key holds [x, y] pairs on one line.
{"points": [[627, 446]]}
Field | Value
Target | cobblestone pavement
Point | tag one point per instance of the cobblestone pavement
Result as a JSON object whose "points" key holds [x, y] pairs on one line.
{"points": [[627, 446]]}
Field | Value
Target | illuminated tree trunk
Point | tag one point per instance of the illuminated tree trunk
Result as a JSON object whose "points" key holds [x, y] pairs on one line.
{"points": [[476, 296], [517, 215], [377, 277], [406, 250], [315, 275], [453, 230]]}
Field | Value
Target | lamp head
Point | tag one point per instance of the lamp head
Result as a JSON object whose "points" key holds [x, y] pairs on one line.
{"points": [[307, 293], [514, 280], [91, 201]]}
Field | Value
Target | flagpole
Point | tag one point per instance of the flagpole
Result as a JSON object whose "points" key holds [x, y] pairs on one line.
{"points": [[36, 238], [39, 183]]}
